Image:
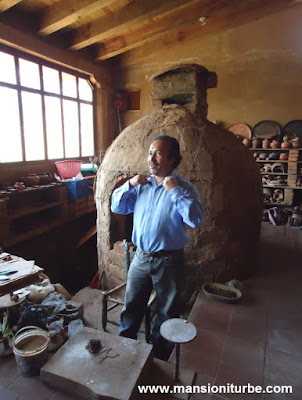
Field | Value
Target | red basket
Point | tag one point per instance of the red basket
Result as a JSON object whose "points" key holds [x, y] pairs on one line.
{"points": [[69, 168]]}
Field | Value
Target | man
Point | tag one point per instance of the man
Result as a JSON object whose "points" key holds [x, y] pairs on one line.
{"points": [[162, 204]]}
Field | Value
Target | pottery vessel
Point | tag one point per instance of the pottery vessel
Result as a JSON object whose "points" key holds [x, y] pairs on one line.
{"points": [[296, 217], [19, 185], [285, 144], [295, 142], [274, 144], [33, 179], [273, 156], [283, 156], [45, 178], [266, 143], [246, 142], [255, 143]]}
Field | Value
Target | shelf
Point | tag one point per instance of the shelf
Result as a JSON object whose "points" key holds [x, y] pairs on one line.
{"points": [[274, 161], [276, 173], [277, 204], [31, 212], [34, 209], [278, 149], [291, 193], [282, 186]]}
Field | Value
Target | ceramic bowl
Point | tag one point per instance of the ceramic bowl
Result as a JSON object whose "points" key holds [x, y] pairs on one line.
{"points": [[221, 292]]}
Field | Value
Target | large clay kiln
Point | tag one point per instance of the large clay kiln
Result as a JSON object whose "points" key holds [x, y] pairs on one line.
{"points": [[219, 165]]}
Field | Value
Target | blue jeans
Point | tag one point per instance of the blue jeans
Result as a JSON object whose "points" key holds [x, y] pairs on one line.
{"points": [[145, 273]]}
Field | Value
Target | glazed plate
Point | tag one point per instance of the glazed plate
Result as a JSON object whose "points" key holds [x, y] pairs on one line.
{"points": [[293, 128], [221, 292], [240, 129], [267, 130]]}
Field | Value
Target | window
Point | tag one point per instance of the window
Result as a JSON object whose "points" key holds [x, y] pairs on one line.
{"points": [[46, 112]]}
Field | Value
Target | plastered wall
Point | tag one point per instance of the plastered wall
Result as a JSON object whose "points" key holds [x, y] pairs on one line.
{"points": [[258, 67]]}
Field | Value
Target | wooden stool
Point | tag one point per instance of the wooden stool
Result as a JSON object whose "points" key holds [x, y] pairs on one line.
{"points": [[177, 331]]}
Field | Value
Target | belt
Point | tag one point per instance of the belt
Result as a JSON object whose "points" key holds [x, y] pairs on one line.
{"points": [[160, 253]]}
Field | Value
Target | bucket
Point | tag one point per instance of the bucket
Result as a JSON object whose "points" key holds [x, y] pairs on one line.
{"points": [[30, 346]]}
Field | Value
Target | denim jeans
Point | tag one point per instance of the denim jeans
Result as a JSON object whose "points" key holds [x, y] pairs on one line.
{"points": [[145, 273]]}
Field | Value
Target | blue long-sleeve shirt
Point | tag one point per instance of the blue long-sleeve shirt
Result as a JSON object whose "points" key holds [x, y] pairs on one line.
{"points": [[159, 216]]}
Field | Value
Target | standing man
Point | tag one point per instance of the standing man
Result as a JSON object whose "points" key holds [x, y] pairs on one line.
{"points": [[162, 203]]}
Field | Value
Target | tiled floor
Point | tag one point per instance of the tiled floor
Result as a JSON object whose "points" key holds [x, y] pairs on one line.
{"points": [[257, 341]]}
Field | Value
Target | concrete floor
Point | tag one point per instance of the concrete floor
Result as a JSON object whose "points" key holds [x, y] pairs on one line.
{"points": [[257, 341]]}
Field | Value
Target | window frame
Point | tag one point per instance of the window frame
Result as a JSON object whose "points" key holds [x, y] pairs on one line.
{"points": [[61, 69]]}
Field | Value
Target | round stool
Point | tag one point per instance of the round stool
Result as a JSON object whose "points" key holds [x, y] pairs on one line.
{"points": [[177, 331]]}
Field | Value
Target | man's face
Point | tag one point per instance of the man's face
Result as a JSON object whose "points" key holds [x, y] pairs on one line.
{"points": [[159, 163]]}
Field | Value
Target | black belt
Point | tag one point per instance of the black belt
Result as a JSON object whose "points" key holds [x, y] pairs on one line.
{"points": [[160, 253]]}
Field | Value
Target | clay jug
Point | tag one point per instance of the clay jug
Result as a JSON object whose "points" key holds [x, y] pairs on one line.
{"points": [[285, 144]]}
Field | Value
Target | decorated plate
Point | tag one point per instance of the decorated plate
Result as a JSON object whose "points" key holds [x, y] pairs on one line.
{"points": [[241, 129], [293, 128], [267, 130]]}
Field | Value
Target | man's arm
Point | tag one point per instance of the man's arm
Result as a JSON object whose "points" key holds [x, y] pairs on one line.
{"points": [[188, 206], [187, 201], [124, 198]]}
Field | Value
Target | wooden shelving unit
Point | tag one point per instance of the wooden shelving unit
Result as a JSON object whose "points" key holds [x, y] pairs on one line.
{"points": [[28, 213], [291, 173]]}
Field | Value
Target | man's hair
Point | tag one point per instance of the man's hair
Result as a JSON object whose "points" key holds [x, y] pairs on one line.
{"points": [[173, 148]]}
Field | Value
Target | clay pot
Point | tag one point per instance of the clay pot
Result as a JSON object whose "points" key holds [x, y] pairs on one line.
{"points": [[262, 156], [283, 156], [296, 217], [274, 144], [246, 142], [295, 142], [45, 178], [285, 144], [273, 156], [255, 143], [266, 143], [19, 185], [33, 179]]}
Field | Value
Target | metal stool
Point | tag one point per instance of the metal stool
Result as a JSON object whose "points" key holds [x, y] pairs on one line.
{"points": [[177, 331]]}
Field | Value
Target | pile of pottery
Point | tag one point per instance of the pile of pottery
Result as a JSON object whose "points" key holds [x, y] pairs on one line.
{"points": [[284, 143], [29, 181], [269, 134]]}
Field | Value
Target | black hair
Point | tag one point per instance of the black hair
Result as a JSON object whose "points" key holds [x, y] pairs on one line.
{"points": [[173, 148]]}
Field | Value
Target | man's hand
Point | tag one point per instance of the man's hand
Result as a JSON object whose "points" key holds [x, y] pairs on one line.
{"points": [[139, 180], [170, 183]]}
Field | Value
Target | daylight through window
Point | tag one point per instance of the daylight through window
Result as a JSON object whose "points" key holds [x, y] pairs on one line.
{"points": [[46, 112]]}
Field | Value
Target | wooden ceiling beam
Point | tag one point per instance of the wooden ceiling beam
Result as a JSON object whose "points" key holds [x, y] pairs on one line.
{"points": [[146, 33], [220, 19], [66, 12], [6, 4], [124, 19]]}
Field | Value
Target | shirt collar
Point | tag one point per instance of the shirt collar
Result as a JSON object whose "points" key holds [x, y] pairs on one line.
{"points": [[152, 179]]}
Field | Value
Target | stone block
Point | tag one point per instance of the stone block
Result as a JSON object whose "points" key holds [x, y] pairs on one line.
{"points": [[111, 373]]}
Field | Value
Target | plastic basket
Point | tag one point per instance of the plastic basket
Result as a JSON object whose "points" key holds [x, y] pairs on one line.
{"points": [[78, 189], [68, 169]]}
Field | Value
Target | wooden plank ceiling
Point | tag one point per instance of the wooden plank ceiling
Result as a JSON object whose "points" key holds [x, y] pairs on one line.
{"points": [[103, 29]]}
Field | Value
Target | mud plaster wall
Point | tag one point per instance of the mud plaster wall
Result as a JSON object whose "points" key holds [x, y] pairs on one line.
{"points": [[223, 171], [258, 67]]}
